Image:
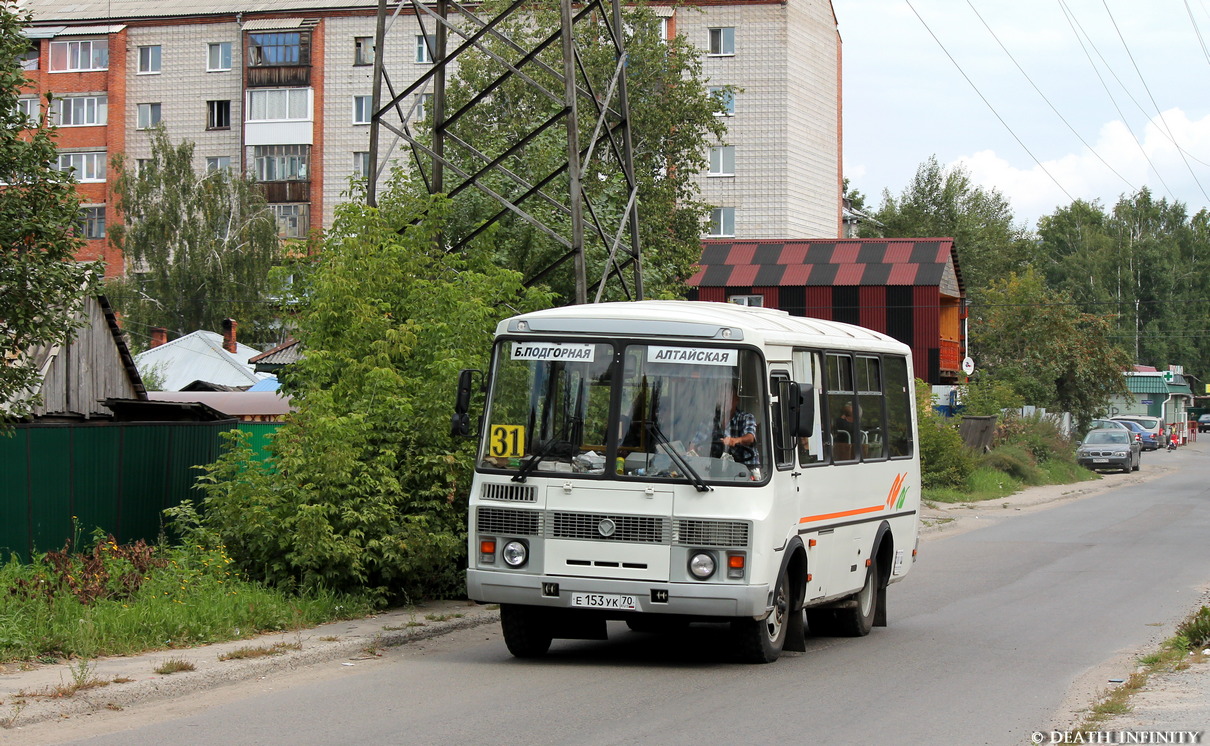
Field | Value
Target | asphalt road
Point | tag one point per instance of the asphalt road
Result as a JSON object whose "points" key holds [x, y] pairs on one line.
{"points": [[987, 637]]}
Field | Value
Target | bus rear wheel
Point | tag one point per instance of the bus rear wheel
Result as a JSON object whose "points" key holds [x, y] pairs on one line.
{"points": [[858, 619], [527, 630], [761, 640]]}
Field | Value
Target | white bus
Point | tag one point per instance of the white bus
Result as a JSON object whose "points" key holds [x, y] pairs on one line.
{"points": [[665, 462]]}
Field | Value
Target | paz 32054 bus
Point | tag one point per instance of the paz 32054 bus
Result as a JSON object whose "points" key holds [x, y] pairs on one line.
{"points": [[666, 462]]}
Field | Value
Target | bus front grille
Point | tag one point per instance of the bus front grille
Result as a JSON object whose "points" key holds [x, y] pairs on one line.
{"points": [[601, 527], [521, 493], [510, 522], [695, 532]]}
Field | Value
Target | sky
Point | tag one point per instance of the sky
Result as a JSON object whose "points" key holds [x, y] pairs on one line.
{"points": [[1046, 101]]}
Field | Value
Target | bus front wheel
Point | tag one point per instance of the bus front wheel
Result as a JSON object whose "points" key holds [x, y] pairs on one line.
{"points": [[527, 630], [761, 640]]}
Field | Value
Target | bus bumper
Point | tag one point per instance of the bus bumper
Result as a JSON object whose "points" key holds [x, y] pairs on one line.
{"points": [[694, 599]]}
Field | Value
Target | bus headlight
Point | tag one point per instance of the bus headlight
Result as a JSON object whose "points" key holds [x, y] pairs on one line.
{"points": [[515, 553], [701, 565]]}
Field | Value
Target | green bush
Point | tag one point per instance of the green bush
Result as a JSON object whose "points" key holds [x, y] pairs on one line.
{"points": [[1196, 629], [944, 460], [1036, 434], [1016, 462]]}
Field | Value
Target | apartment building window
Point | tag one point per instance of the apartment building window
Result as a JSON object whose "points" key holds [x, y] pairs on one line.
{"points": [[363, 50], [149, 60], [722, 41], [279, 104], [92, 222], [722, 221], [722, 161], [422, 107], [281, 162], [293, 220], [424, 46], [218, 163], [28, 108], [278, 48], [148, 116], [664, 29], [141, 163], [87, 167], [218, 56], [361, 165], [218, 115], [727, 98], [362, 109], [29, 58], [80, 111], [75, 56]]}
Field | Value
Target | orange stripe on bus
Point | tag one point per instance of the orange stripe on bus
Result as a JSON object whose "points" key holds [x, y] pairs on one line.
{"points": [[890, 498], [841, 514]]}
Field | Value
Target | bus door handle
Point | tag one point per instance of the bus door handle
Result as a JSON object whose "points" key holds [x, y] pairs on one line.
{"points": [[796, 473]]}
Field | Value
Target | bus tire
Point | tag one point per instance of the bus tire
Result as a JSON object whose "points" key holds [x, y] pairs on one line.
{"points": [[761, 640], [858, 619], [527, 630]]}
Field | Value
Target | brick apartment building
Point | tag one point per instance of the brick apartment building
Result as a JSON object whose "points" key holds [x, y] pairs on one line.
{"points": [[282, 90]]}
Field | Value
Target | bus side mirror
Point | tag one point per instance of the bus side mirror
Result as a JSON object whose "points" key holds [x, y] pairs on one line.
{"points": [[801, 409], [460, 423]]}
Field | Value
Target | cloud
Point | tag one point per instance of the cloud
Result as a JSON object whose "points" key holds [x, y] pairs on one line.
{"points": [[1120, 165]]}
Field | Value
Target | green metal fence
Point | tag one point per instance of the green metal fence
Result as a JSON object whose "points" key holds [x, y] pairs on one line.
{"points": [[115, 476]]}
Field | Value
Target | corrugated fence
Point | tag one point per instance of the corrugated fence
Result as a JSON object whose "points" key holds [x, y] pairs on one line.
{"points": [[116, 476]]}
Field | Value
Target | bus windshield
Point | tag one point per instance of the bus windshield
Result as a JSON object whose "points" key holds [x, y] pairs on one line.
{"points": [[635, 412]]}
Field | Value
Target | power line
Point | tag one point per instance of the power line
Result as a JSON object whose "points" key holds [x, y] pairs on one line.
{"points": [[1076, 29], [988, 103], [1047, 100], [1159, 113]]}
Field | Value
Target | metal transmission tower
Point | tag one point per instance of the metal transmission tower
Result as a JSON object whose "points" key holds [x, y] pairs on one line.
{"points": [[454, 159]]}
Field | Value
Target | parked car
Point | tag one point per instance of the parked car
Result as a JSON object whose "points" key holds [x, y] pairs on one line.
{"points": [[1110, 424], [1152, 425], [1146, 439], [1107, 448], [1203, 423]]}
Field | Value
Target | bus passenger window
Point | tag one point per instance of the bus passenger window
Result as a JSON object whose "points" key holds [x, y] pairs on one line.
{"points": [[842, 407], [898, 407], [870, 401]]}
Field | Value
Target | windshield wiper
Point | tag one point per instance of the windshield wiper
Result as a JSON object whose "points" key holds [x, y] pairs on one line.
{"points": [[575, 421], [676, 457]]}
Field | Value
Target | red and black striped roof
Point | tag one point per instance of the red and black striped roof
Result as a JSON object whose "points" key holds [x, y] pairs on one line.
{"points": [[857, 261]]}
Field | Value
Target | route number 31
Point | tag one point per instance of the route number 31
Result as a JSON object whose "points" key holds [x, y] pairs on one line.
{"points": [[506, 441]]}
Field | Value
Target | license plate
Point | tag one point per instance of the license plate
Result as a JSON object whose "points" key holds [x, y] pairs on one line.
{"points": [[1100, 461], [604, 601]]}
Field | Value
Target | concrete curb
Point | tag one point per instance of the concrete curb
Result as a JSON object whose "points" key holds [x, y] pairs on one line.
{"points": [[28, 696]]}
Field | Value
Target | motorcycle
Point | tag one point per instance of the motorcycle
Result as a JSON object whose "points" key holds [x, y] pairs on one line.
{"points": [[1171, 444]]}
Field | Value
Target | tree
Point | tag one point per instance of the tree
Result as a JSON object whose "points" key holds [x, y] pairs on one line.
{"points": [[198, 248], [41, 284], [1145, 263], [1036, 340], [940, 202], [370, 488], [673, 123]]}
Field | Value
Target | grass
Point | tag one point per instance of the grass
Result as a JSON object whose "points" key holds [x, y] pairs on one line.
{"points": [[174, 665], [260, 651], [987, 483], [126, 599], [1175, 654]]}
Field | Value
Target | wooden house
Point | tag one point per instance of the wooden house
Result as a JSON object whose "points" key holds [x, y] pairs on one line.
{"points": [[97, 365], [909, 288]]}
